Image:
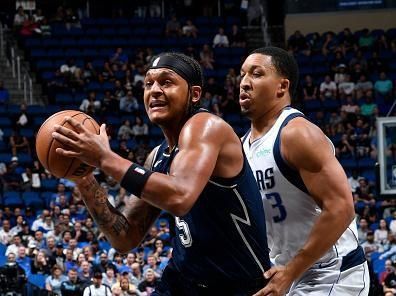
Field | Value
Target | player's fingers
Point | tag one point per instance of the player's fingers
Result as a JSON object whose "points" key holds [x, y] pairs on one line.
{"points": [[66, 132], [64, 139], [76, 124], [67, 153], [270, 272], [102, 130], [264, 292]]}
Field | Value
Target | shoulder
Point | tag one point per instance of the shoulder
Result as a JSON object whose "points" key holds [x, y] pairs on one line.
{"points": [[303, 142], [206, 123]]}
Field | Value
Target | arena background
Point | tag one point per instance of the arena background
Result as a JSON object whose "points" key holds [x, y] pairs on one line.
{"points": [[57, 55]]}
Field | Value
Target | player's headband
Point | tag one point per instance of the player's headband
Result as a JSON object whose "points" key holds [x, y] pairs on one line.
{"points": [[181, 67]]}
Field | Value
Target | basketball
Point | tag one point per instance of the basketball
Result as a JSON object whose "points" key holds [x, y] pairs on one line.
{"points": [[61, 166]]}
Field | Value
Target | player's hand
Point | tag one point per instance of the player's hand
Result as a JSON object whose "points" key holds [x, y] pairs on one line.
{"points": [[279, 282], [82, 143]]}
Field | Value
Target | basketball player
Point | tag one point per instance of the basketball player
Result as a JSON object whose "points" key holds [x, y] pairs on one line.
{"points": [[312, 233], [199, 174]]}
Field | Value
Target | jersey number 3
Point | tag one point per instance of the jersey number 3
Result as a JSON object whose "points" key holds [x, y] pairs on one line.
{"points": [[185, 235], [276, 203]]}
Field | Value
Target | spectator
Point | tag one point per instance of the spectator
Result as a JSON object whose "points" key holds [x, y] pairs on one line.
{"points": [[358, 59], [71, 19], [54, 281], [91, 105], [44, 28], [73, 286], [369, 109], [206, 57], [103, 262], [22, 119], [23, 260], [220, 39], [4, 95], [189, 29], [97, 288], [363, 229], [363, 86], [381, 234], [237, 37], [85, 271], [5, 233], [346, 87], [328, 88], [310, 90], [38, 15], [12, 179], [140, 128], [353, 180], [376, 64], [211, 103], [14, 247], [329, 44], [370, 246], [127, 288], [340, 74], [347, 41], [150, 282], [40, 264], [390, 284], [383, 86], [19, 18], [89, 73], [388, 269], [152, 264], [129, 103], [297, 42], [136, 273], [173, 28], [119, 58], [366, 41], [109, 277], [19, 143], [78, 233], [125, 132]]}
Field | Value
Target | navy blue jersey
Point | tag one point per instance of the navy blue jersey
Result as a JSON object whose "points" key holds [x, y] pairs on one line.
{"points": [[223, 237]]}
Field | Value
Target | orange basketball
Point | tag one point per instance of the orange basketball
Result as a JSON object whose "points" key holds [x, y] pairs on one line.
{"points": [[61, 166]]}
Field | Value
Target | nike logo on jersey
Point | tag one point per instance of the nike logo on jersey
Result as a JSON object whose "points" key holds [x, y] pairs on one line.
{"points": [[157, 163]]}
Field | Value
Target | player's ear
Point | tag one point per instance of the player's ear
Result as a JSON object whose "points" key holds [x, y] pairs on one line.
{"points": [[196, 92], [283, 87]]}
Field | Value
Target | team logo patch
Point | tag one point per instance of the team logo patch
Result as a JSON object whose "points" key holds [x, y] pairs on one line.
{"points": [[156, 61], [139, 171]]}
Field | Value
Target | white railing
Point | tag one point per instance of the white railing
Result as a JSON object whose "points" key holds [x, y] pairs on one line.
{"points": [[22, 75], [1, 40]]}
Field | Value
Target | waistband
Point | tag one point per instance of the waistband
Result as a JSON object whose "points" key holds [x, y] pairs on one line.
{"points": [[227, 286], [353, 258]]}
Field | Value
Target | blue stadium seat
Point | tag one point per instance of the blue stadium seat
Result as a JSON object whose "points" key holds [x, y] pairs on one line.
{"points": [[49, 184], [12, 199], [33, 199], [5, 122]]}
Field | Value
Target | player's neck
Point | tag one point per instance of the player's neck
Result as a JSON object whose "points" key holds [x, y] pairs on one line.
{"points": [[262, 124]]}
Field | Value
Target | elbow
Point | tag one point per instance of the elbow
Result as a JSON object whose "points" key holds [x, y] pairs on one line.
{"points": [[180, 204], [179, 208]]}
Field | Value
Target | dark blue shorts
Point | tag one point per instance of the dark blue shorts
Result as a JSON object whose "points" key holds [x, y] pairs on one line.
{"points": [[173, 283]]}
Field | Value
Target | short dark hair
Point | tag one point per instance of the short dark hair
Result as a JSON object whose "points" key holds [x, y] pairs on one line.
{"points": [[284, 63]]}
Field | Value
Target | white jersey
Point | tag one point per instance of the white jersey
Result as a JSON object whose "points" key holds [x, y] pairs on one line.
{"points": [[289, 209]]}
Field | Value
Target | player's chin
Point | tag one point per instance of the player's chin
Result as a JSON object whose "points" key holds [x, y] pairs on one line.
{"points": [[158, 118], [246, 112]]}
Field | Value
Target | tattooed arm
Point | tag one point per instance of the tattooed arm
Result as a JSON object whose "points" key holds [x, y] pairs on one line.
{"points": [[124, 230]]}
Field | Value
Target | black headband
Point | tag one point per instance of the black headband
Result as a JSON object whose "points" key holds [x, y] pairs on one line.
{"points": [[181, 67]]}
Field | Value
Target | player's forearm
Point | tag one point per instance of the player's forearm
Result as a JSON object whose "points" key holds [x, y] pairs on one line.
{"points": [[328, 228], [122, 235], [161, 191]]}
